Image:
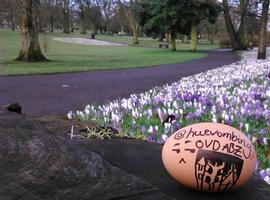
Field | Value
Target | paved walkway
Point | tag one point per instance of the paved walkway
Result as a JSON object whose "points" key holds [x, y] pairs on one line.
{"points": [[59, 93]]}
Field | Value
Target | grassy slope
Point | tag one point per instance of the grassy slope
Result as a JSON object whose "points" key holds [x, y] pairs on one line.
{"points": [[71, 57]]}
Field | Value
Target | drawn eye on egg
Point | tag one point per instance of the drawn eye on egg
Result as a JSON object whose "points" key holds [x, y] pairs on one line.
{"points": [[177, 149]]}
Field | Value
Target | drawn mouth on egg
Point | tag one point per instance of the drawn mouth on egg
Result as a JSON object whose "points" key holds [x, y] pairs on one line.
{"points": [[177, 150]]}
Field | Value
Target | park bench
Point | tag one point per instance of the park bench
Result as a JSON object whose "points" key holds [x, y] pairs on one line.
{"points": [[164, 45]]}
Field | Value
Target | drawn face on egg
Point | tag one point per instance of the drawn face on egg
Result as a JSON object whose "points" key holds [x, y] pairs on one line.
{"points": [[209, 157], [177, 148]]}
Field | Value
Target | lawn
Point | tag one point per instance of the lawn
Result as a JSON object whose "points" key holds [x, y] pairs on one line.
{"points": [[153, 43], [66, 57]]}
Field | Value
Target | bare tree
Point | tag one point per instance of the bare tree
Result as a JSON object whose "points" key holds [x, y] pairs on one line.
{"points": [[263, 31], [237, 36], [11, 15], [51, 7], [84, 8], [94, 18], [210, 29], [108, 8], [128, 7], [30, 48], [3, 11], [66, 5]]}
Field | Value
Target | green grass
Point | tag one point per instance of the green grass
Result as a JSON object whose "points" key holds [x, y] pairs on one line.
{"points": [[153, 43], [74, 58]]}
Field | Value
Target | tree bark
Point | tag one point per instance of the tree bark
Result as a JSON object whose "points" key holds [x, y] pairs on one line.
{"points": [[83, 22], [52, 14], [135, 30], [11, 15], [193, 42], [51, 24], [237, 37], [83, 27], [107, 29], [66, 23], [241, 31], [167, 37], [211, 39], [129, 12], [172, 41], [30, 48], [66, 17], [263, 31], [230, 27], [210, 31]]}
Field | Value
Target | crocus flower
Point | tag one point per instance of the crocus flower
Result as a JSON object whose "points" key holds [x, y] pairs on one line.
{"points": [[70, 115]]}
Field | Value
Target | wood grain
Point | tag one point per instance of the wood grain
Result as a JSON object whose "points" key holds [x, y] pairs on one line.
{"points": [[38, 164]]}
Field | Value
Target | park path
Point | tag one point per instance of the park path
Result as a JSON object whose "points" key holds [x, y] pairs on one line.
{"points": [[57, 94]]}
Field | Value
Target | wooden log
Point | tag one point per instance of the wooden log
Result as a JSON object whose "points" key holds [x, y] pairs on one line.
{"points": [[143, 159], [39, 161], [38, 164]]}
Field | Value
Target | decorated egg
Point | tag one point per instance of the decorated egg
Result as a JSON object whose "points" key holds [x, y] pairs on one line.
{"points": [[209, 157]]}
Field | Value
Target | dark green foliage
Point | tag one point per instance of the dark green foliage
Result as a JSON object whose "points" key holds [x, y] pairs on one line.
{"points": [[162, 16]]}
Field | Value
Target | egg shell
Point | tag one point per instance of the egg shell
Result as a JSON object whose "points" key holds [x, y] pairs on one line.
{"points": [[209, 157]]}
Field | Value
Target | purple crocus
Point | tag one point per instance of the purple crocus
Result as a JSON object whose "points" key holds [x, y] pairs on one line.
{"points": [[257, 96], [262, 174], [263, 131], [143, 128], [224, 98], [151, 138]]}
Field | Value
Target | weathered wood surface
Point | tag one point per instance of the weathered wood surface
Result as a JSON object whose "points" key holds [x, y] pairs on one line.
{"points": [[145, 162], [143, 159], [43, 163], [38, 164]]}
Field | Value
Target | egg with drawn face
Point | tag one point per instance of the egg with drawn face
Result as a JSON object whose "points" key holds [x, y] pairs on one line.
{"points": [[209, 157]]}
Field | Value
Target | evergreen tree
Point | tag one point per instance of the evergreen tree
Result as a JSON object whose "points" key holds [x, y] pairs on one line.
{"points": [[173, 16]]}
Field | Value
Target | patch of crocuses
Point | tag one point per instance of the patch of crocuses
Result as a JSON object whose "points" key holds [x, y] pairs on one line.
{"points": [[237, 94]]}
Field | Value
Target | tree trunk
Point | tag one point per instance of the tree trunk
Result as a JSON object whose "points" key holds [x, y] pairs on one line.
{"points": [[94, 30], [12, 23], [167, 37], [193, 42], [172, 41], [83, 23], [83, 28], [135, 29], [230, 27], [40, 28], [51, 24], [107, 29], [210, 32], [66, 17], [30, 48], [263, 31], [66, 23], [241, 31], [11, 15], [211, 39]]}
